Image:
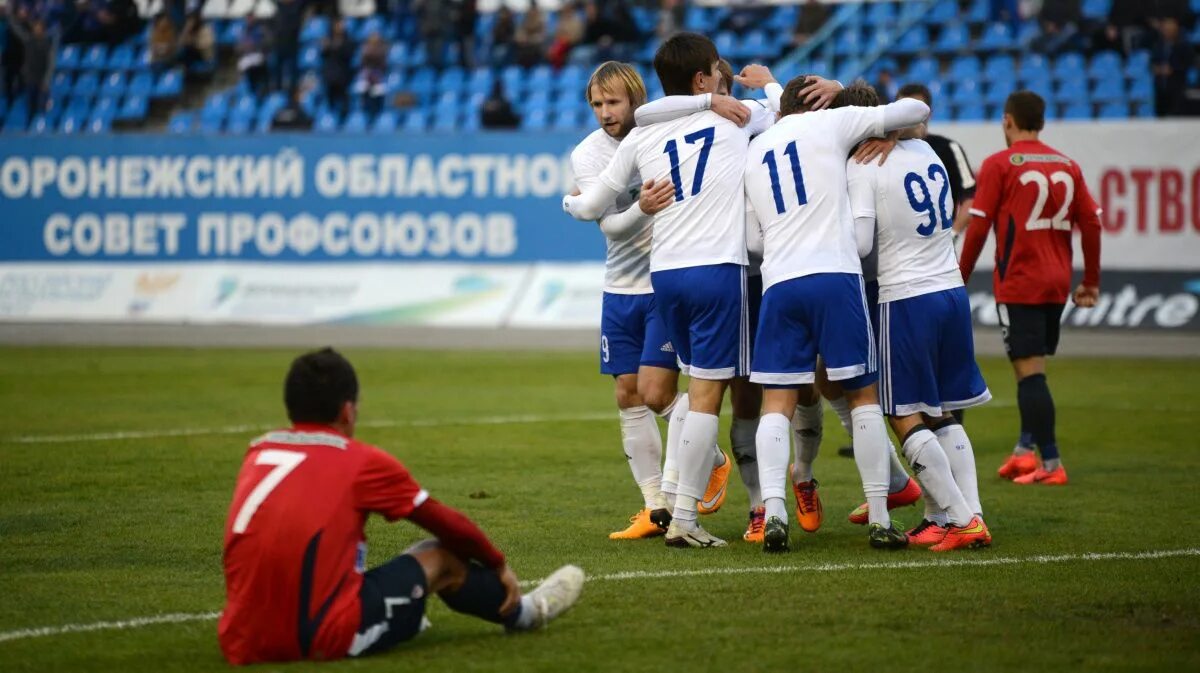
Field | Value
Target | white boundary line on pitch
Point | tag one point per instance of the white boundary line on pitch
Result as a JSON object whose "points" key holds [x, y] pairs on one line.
{"points": [[245, 429], [177, 618]]}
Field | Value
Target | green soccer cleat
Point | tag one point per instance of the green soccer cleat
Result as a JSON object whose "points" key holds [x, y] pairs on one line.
{"points": [[775, 536], [886, 538]]}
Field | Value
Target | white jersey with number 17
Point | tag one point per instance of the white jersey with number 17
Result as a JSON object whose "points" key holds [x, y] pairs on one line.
{"points": [[704, 155], [909, 199], [796, 181]]}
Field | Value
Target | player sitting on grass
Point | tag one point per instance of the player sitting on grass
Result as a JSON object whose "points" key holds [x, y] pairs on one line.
{"points": [[296, 584], [1033, 196], [923, 321]]}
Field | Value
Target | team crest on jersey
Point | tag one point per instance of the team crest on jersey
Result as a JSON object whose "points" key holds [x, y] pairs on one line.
{"points": [[1017, 159]]}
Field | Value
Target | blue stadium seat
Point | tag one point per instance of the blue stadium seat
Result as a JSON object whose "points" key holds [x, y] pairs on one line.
{"points": [[239, 126], [537, 100], [566, 121], [216, 104], [452, 79], [997, 37], [514, 80], [121, 57], [726, 42], [372, 24], [449, 103], [181, 122], [143, 61], [999, 67], [571, 80], [967, 92], [979, 11], [1138, 64], [72, 123], [1104, 65], [848, 42], [965, 67], [535, 120], [945, 11], [326, 122], [61, 85], [1069, 66], [969, 112], [315, 30], [1071, 91], [1042, 85], [1114, 110], [95, 58], [480, 81], [105, 107], [954, 37], [18, 117], [445, 123], [310, 58], [98, 124], [540, 78], [40, 125], [422, 83], [1027, 32], [394, 82], [397, 55], [1109, 90], [170, 85], [756, 46], [1079, 109], [471, 122], [697, 19], [998, 91], [133, 109], [274, 102], [1142, 88], [245, 106], [141, 84], [914, 40], [1096, 10], [569, 103], [386, 122], [114, 84], [1033, 66], [1144, 108], [87, 85], [356, 122], [68, 57], [920, 70], [232, 32], [880, 14], [416, 122]]}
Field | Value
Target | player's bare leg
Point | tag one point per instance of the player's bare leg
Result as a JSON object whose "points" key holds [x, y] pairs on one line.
{"points": [[746, 399], [643, 448], [493, 594], [773, 442], [695, 459], [1036, 406]]}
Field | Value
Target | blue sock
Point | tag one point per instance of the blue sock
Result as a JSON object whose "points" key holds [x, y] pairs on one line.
{"points": [[481, 596]]}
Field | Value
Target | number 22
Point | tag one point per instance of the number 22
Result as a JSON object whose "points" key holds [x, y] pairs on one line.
{"points": [[284, 462], [1059, 221]]}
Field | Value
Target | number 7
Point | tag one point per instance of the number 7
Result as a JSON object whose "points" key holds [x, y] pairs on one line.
{"points": [[284, 462]]}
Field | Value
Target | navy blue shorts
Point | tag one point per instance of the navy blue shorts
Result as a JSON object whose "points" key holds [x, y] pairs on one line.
{"points": [[632, 335], [927, 355], [705, 310], [393, 606], [825, 314]]}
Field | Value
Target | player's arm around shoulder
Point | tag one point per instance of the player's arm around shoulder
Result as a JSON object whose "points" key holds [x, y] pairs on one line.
{"points": [[595, 197]]}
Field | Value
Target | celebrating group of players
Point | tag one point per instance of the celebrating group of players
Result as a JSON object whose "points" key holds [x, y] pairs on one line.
{"points": [[757, 246]]}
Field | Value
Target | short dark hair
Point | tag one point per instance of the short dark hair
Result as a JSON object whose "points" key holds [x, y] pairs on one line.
{"points": [[317, 385], [1028, 110], [859, 94], [679, 59], [791, 102], [915, 90]]}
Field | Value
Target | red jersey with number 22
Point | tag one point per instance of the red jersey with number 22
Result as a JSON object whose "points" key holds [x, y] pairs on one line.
{"points": [[294, 542], [1032, 195]]}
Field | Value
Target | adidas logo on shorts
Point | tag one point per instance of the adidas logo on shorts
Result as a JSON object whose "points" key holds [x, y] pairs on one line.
{"points": [[667, 348]]}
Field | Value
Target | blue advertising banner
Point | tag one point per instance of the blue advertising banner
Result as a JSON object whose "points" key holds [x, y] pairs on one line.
{"points": [[291, 198]]}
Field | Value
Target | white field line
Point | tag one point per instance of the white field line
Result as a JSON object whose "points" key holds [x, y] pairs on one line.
{"points": [[246, 429], [177, 618]]}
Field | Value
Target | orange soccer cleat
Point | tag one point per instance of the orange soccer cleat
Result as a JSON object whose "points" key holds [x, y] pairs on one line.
{"points": [[902, 498], [1019, 464], [974, 535], [809, 512], [640, 526], [754, 530], [1055, 477], [926, 534], [714, 495]]}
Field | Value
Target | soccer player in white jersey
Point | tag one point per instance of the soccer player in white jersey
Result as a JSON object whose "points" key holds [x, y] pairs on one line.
{"points": [[698, 258], [927, 357], [814, 302], [634, 347]]}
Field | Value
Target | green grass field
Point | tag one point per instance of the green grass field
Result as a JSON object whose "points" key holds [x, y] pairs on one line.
{"points": [[108, 528]]}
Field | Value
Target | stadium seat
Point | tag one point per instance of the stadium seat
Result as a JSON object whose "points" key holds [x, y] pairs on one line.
{"points": [[416, 122], [979, 11], [87, 85], [114, 84], [40, 125], [1027, 32], [68, 57], [914, 40], [1138, 64], [969, 112], [452, 79], [421, 83], [1077, 110], [1114, 110], [170, 85], [121, 58], [239, 125], [535, 120], [1144, 108], [133, 109], [1069, 66], [140, 84], [72, 123], [756, 46], [143, 61], [1142, 88], [847, 42], [920, 70], [880, 14], [540, 78], [105, 106], [997, 37], [945, 11], [1043, 85], [315, 30], [571, 80], [181, 122], [965, 67], [1071, 90], [310, 58], [94, 58], [326, 122], [245, 106], [18, 117], [1109, 90], [1096, 10], [999, 67], [954, 37], [386, 122], [997, 92], [1033, 66], [967, 92], [372, 24], [98, 124], [480, 81], [1104, 65], [356, 122], [445, 123], [566, 121], [61, 85]]}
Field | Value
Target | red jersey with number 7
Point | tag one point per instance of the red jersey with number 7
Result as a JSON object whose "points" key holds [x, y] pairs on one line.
{"points": [[1033, 196], [294, 543]]}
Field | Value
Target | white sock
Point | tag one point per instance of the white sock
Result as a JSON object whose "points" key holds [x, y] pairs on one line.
{"points": [[899, 476], [695, 463], [527, 618], [742, 440], [929, 462], [932, 511], [679, 411], [870, 454], [773, 448], [842, 408], [643, 448], [961, 455], [807, 427]]}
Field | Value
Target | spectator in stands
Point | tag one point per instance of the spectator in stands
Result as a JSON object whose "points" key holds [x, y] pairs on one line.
{"points": [[813, 16], [504, 32], [197, 42], [611, 28], [468, 17], [887, 86], [567, 34], [436, 20], [293, 116], [497, 112], [285, 32], [372, 73], [744, 15], [1060, 20], [671, 15], [1172, 57], [10, 56], [109, 21], [531, 36], [37, 67], [1125, 29], [337, 56], [252, 54], [163, 43]]}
